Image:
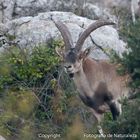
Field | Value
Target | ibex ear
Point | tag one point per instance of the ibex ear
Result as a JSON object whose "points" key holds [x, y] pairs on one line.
{"points": [[85, 53], [60, 51]]}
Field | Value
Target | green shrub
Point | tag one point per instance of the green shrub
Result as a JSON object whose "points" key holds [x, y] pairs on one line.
{"points": [[127, 124], [28, 80], [131, 60], [129, 63], [27, 66], [35, 95]]}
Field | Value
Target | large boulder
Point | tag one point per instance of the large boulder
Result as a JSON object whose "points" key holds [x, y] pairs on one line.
{"points": [[31, 31]]}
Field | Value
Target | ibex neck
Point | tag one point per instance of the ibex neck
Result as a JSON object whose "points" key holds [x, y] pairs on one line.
{"points": [[82, 83]]}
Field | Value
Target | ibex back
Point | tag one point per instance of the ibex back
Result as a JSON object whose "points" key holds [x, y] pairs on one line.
{"points": [[99, 85]]}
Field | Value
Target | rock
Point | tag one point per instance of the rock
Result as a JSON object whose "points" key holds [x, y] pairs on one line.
{"points": [[11, 9], [32, 31], [3, 29], [1, 12], [8, 10], [93, 11], [2, 138]]}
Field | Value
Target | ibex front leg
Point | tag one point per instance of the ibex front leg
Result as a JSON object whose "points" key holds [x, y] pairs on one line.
{"points": [[98, 117]]}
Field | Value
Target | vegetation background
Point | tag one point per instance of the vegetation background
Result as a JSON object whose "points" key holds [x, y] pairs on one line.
{"points": [[37, 97]]}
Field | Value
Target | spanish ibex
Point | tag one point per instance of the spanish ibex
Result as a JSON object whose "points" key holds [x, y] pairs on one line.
{"points": [[99, 85]]}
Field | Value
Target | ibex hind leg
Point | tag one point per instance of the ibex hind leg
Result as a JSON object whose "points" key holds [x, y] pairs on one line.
{"points": [[115, 108]]}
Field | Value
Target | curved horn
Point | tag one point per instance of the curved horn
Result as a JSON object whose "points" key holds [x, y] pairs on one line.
{"points": [[65, 34], [87, 32]]}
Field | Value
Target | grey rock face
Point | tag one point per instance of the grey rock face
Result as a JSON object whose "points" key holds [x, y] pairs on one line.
{"points": [[2, 138], [32, 31], [11, 9], [94, 9]]}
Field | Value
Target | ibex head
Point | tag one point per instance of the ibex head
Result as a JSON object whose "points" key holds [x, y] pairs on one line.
{"points": [[72, 55]]}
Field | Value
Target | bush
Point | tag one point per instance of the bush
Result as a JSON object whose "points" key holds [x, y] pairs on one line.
{"points": [[27, 66], [28, 87], [127, 125], [131, 60], [129, 121], [35, 95]]}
